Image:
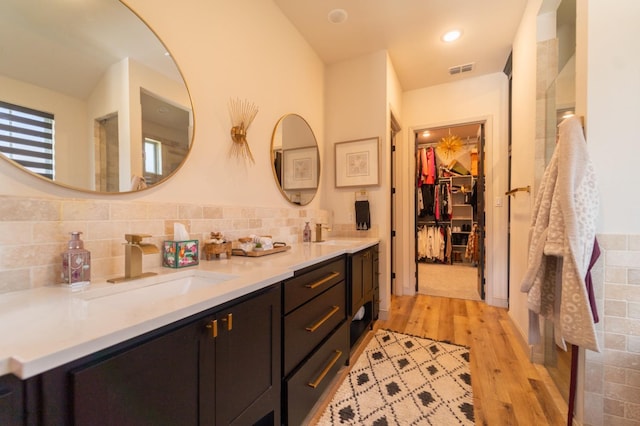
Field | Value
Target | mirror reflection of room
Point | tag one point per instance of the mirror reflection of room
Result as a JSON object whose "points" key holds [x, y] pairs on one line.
{"points": [[295, 159], [447, 215], [120, 119]]}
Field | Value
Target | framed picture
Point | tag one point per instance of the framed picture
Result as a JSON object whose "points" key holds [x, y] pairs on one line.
{"points": [[357, 162], [300, 168]]}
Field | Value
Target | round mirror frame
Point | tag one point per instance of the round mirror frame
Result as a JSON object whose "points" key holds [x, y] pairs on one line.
{"points": [[164, 179], [314, 174]]}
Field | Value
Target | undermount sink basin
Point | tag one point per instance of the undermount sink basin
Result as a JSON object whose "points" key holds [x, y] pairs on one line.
{"points": [[157, 287]]}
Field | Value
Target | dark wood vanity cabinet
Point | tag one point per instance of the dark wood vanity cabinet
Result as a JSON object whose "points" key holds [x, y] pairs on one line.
{"points": [[316, 339], [151, 383], [240, 369], [364, 294], [218, 367], [11, 400]]}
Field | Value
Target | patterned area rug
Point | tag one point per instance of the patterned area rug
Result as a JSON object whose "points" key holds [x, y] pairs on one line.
{"points": [[405, 380]]}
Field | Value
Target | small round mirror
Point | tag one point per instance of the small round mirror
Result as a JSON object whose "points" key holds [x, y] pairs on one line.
{"points": [[295, 159]]}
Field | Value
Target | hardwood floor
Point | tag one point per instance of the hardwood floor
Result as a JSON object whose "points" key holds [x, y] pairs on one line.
{"points": [[507, 388]]}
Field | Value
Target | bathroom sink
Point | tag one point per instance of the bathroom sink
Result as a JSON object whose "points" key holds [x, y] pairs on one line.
{"points": [[156, 287]]}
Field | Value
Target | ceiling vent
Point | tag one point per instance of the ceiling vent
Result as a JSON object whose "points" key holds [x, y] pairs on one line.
{"points": [[459, 69]]}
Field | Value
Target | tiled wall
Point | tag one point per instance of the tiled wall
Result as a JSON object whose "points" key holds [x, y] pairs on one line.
{"points": [[34, 231], [612, 386]]}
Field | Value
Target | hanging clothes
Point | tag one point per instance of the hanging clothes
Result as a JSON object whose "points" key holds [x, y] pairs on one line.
{"points": [[432, 243], [471, 253], [431, 177], [426, 179]]}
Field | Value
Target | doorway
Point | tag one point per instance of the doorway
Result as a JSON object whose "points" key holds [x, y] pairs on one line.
{"points": [[450, 214], [106, 152]]}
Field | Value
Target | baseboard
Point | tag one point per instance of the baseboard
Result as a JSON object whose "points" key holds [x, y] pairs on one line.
{"points": [[383, 315], [522, 342]]}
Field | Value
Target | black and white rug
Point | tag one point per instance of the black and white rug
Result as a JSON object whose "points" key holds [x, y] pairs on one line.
{"points": [[405, 380]]}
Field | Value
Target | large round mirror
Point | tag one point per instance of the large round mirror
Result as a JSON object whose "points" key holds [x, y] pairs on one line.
{"points": [[89, 97], [295, 159]]}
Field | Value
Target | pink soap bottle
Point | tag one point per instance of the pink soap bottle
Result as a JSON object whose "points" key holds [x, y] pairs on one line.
{"points": [[76, 262]]}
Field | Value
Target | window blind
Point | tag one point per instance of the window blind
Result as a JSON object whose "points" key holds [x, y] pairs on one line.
{"points": [[26, 137]]}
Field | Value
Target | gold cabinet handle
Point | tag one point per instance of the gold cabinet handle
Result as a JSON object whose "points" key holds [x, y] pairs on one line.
{"points": [[325, 370], [229, 321], [318, 283], [213, 325], [324, 319]]}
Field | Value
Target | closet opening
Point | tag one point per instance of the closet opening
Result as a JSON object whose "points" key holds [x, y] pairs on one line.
{"points": [[450, 211]]}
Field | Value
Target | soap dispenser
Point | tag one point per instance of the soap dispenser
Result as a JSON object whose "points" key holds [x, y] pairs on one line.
{"points": [[306, 233], [76, 262]]}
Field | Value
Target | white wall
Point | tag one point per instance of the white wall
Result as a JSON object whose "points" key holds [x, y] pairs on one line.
{"points": [[470, 100], [613, 109], [357, 108], [264, 60]]}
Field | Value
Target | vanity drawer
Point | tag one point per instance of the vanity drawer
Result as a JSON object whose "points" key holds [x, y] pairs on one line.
{"points": [[318, 371], [306, 327], [310, 283]]}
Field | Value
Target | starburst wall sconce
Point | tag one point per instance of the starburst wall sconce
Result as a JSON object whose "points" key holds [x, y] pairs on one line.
{"points": [[242, 114]]}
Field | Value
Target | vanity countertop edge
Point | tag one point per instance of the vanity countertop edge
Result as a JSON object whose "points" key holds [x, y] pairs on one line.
{"points": [[45, 327]]}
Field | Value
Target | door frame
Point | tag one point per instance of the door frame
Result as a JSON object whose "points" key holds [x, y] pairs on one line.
{"points": [[480, 179], [496, 219]]}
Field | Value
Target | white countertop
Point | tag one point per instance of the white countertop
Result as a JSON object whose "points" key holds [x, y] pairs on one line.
{"points": [[46, 327]]}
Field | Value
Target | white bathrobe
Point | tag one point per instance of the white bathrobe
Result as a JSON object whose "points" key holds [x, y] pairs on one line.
{"points": [[561, 242]]}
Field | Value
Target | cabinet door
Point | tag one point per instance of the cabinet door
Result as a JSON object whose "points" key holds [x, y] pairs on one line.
{"points": [[11, 401], [152, 383], [376, 282], [357, 287], [240, 368], [367, 272]]}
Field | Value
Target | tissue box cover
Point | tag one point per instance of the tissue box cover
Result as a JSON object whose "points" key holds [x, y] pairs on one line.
{"points": [[178, 254]]}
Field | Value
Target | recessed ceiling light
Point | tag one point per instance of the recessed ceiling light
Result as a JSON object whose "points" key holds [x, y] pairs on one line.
{"points": [[426, 133], [452, 35], [337, 16]]}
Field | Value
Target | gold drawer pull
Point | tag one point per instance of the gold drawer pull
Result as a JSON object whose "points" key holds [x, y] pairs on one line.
{"points": [[213, 325], [323, 280], [325, 370], [324, 319], [229, 321]]}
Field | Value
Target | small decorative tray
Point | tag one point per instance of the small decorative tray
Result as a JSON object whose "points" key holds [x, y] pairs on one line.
{"points": [[277, 248]]}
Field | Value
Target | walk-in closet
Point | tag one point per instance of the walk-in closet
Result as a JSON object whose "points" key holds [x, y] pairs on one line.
{"points": [[449, 217]]}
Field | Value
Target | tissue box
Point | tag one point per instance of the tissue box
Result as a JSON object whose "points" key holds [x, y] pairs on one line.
{"points": [[178, 254]]}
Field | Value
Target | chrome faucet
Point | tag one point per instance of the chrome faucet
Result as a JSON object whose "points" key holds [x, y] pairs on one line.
{"points": [[319, 227], [134, 248]]}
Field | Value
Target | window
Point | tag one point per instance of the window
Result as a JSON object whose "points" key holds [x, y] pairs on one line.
{"points": [[26, 137], [152, 156]]}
